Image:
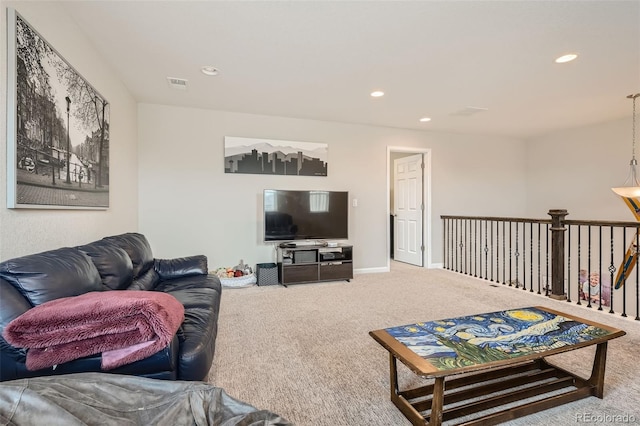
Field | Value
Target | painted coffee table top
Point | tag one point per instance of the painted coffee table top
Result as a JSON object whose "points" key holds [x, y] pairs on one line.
{"points": [[477, 341]]}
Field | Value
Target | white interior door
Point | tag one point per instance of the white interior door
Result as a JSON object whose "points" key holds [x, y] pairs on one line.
{"points": [[409, 206]]}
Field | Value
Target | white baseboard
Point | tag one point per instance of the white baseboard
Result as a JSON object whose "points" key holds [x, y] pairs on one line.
{"points": [[387, 269], [370, 270]]}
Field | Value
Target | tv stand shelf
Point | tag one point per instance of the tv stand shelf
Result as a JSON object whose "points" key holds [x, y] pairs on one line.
{"points": [[312, 264]]}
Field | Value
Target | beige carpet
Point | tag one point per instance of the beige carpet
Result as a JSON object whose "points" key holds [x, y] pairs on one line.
{"points": [[304, 352]]}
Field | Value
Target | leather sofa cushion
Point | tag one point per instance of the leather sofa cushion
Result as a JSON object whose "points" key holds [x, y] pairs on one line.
{"points": [[181, 267], [138, 249], [113, 264], [13, 305], [50, 275], [146, 281], [161, 365]]}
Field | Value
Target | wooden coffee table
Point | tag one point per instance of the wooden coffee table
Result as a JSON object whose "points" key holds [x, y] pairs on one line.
{"points": [[490, 368]]}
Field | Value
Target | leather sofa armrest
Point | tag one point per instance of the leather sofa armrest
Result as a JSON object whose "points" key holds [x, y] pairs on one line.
{"points": [[181, 267]]}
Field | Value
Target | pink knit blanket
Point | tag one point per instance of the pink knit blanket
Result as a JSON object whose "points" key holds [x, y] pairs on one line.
{"points": [[123, 325]]}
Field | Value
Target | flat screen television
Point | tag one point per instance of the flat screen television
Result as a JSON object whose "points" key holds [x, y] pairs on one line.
{"points": [[305, 215]]}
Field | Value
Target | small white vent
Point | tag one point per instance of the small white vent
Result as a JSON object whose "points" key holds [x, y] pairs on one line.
{"points": [[177, 83]]}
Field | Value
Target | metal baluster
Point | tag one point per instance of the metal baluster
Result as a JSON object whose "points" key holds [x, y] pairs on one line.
{"points": [[480, 260], [524, 255], [539, 259], [637, 279], [445, 243], [569, 265], [469, 251], [486, 250], [579, 256], [480, 248], [472, 256], [445, 240], [612, 270], [497, 251], [624, 266], [463, 252], [589, 267], [453, 244], [470, 248], [504, 257], [450, 244], [463, 248], [480, 251], [517, 255], [531, 257], [461, 245], [600, 268], [457, 251], [491, 254], [510, 256], [624, 287], [475, 248]]}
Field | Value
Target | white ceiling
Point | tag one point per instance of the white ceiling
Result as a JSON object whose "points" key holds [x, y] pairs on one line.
{"points": [[321, 59]]}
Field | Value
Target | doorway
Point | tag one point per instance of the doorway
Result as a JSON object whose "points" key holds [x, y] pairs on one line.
{"points": [[409, 205]]}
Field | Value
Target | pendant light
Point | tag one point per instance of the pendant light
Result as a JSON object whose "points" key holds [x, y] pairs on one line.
{"points": [[631, 187]]}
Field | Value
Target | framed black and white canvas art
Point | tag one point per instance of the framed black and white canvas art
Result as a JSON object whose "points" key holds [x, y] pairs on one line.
{"points": [[274, 157], [57, 128]]}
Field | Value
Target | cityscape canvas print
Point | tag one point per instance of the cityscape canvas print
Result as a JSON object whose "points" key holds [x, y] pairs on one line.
{"points": [[274, 157], [57, 128]]}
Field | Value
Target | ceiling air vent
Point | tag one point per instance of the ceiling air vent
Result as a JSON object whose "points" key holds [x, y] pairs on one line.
{"points": [[470, 110], [177, 83]]}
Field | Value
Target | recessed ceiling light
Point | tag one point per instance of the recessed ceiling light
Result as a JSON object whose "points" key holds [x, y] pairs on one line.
{"points": [[210, 70], [566, 58], [425, 119], [377, 94]]}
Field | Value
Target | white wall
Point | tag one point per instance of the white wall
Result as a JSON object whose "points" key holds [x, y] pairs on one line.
{"points": [[575, 170], [173, 186], [24, 231], [188, 204]]}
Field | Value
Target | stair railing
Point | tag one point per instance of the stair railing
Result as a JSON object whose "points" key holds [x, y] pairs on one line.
{"points": [[590, 261]]}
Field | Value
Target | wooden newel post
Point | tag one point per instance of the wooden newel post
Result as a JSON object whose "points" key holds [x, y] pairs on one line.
{"points": [[557, 253]]}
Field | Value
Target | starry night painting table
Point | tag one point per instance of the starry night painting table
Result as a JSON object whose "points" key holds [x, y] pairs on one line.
{"points": [[489, 368]]}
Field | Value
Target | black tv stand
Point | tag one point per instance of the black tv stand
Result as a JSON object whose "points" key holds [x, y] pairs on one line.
{"points": [[314, 263]]}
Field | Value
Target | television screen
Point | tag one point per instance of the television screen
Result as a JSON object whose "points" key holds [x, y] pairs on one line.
{"points": [[305, 215]]}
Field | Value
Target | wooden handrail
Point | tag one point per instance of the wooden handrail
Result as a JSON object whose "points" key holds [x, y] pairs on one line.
{"points": [[498, 219], [546, 221]]}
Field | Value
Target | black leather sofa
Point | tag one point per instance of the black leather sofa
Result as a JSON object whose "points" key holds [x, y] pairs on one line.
{"points": [[121, 262]]}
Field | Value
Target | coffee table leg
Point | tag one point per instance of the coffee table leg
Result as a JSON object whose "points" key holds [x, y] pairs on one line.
{"points": [[597, 373], [393, 376], [435, 419], [398, 400]]}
